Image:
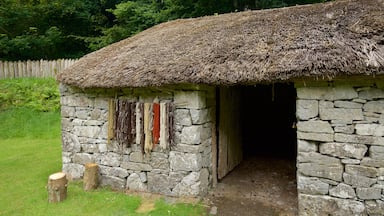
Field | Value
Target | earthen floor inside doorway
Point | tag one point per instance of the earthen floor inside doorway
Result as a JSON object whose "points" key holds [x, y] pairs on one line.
{"points": [[258, 186]]}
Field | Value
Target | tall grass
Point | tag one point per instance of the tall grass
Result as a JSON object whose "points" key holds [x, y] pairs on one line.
{"points": [[31, 150]]}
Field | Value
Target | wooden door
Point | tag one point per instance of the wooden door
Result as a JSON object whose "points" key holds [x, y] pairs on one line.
{"points": [[229, 137]]}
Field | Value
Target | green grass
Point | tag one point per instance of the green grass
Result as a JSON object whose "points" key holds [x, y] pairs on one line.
{"points": [[30, 145]]}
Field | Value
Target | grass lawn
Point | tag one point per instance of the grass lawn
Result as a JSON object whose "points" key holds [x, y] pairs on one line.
{"points": [[31, 150]]}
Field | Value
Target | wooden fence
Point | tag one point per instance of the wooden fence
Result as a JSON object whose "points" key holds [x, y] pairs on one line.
{"points": [[39, 68]]}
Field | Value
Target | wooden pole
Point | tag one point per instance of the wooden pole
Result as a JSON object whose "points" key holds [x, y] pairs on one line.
{"points": [[91, 176], [57, 187]]}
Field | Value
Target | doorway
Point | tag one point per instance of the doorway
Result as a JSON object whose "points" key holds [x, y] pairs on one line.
{"points": [[257, 148]]}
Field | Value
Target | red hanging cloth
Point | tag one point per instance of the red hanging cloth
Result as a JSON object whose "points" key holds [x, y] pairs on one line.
{"points": [[156, 123]]}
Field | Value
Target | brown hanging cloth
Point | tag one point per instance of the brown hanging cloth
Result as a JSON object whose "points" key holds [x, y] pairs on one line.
{"points": [[170, 111], [141, 127], [164, 135], [132, 123], [111, 120], [148, 124], [156, 123]]}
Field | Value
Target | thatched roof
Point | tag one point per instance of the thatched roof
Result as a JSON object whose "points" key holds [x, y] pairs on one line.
{"points": [[321, 40]]}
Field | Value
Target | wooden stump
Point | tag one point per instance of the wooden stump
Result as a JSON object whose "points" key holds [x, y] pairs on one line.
{"points": [[91, 176], [57, 187]]}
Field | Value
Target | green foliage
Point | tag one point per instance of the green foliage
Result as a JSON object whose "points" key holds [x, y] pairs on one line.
{"points": [[51, 29], [38, 94]]}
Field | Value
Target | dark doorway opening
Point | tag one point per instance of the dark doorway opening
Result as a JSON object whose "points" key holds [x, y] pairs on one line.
{"points": [[267, 121], [257, 121]]}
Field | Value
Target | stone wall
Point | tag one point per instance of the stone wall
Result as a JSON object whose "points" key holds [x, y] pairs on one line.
{"points": [[183, 170], [340, 161]]}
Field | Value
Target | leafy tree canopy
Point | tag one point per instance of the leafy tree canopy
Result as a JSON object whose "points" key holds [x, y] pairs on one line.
{"points": [[51, 29]]}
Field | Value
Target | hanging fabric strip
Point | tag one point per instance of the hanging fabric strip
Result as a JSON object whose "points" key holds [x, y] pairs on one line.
{"points": [[170, 111], [142, 136], [148, 120], [111, 120], [132, 123], [138, 123], [122, 123], [156, 123], [163, 126]]}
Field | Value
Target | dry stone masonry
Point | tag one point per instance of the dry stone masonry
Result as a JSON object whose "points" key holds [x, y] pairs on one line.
{"points": [[182, 170], [340, 161]]}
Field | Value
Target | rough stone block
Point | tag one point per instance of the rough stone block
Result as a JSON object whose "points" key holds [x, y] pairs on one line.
{"points": [[306, 146], [372, 162], [70, 142], [371, 93], [327, 93], [314, 157], [82, 114], [83, 158], [348, 105], [90, 148], [350, 161], [118, 172], [176, 177], [134, 183], [376, 152], [329, 171], [310, 205], [189, 185], [192, 135], [137, 157], [307, 109], [66, 157], [93, 123], [87, 131], [188, 148], [343, 191], [340, 114], [190, 99], [314, 126], [361, 170], [358, 181], [311, 186], [182, 117], [381, 171], [368, 193], [101, 103], [348, 129], [350, 138], [109, 159], [323, 137], [374, 106], [158, 183], [185, 161], [136, 166], [76, 101], [343, 150], [199, 116], [375, 207], [159, 162], [370, 129], [114, 182], [73, 171], [67, 111]]}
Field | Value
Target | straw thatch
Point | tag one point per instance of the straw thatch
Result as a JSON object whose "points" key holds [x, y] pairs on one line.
{"points": [[322, 40]]}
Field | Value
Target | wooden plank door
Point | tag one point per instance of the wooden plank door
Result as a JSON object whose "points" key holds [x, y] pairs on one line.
{"points": [[229, 137]]}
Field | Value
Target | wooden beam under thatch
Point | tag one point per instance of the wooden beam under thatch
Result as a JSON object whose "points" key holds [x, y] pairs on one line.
{"points": [[322, 41]]}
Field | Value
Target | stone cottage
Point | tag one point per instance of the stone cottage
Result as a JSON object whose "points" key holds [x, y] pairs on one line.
{"points": [[168, 110]]}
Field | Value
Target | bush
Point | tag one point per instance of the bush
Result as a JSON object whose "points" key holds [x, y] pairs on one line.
{"points": [[38, 94]]}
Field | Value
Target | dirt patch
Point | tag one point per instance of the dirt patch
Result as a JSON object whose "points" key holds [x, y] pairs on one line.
{"points": [[146, 206], [258, 186]]}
